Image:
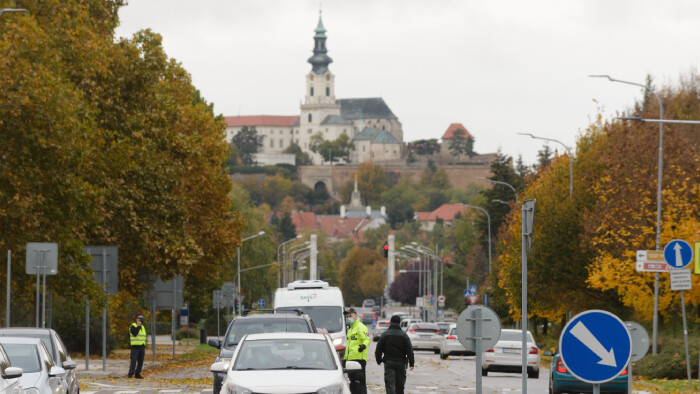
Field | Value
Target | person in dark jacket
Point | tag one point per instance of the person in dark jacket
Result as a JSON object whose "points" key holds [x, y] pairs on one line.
{"points": [[137, 337], [395, 350]]}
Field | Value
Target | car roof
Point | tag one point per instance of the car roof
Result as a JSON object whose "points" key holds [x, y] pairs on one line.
{"points": [[285, 335], [272, 316], [20, 340], [514, 330], [25, 330]]}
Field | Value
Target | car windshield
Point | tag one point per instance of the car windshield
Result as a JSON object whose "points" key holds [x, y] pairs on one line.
{"points": [[23, 356], [514, 336], [328, 317], [44, 338], [453, 331], [244, 326], [284, 354], [384, 323]]}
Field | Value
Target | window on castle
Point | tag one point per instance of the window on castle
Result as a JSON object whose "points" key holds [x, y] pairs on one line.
{"points": [[328, 91], [309, 118], [363, 148], [281, 143], [272, 143], [383, 127], [312, 91]]}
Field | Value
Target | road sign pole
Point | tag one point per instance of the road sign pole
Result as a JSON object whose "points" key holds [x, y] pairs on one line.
{"points": [[9, 275], [218, 324], [87, 334], [153, 327], [524, 301], [43, 300], [629, 377], [478, 350], [685, 337], [596, 388], [173, 314], [655, 323], [104, 311], [38, 286]]}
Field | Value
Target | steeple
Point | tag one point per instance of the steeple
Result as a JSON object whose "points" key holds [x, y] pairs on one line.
{"points": [[320, 60]]}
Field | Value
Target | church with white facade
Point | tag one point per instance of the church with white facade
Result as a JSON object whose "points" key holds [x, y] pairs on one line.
{"points": [[372, 127]]}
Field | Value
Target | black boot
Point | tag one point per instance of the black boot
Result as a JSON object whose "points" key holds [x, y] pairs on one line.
{"points": [[138, 376], [131, 375]]}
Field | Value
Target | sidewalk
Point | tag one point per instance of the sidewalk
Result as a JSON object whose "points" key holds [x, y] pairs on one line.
{"points": [[117, 363]]}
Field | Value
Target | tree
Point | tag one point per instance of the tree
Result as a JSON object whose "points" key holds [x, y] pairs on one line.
{"points": [[285, 228], [544, 158], [371, 182], [461, 144], [398, 202], [361, 275], [405, 286], [426, 147], [248, 142], [301, 158], [332, 151]]}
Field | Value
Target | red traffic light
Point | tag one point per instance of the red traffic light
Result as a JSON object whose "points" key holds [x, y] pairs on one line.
{"points": [[386, 247]]}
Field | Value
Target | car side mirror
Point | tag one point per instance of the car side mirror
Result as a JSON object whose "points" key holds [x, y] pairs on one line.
{"points": [[56, 371], [548, 353], [351, 366], [12, 373], [69, 364], [218, 367], [214, 342]]}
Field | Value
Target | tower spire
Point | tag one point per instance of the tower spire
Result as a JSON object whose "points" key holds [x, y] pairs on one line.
{"points": [[320, 60]]}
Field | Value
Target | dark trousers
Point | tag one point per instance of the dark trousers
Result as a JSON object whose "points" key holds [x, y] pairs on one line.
{"points": [[358, 383], [137, 354], [394, 376]]}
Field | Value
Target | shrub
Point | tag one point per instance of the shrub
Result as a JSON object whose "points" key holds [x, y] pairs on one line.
{"points": [[186, 332], [668, 362]]}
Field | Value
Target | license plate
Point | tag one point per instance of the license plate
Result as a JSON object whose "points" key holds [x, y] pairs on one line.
{"points": [[511, 351], [425, 336]]}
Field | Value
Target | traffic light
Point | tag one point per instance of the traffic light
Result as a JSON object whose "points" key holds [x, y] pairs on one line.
{"points": [[466, 303], [386, 249]]}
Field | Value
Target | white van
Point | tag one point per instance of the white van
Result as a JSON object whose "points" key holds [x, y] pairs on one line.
{"points": [[323, 303]]}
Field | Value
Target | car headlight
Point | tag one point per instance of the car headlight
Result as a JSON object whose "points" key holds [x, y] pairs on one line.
{"points": [[236, 389], [337, 341], [31, 390], [332, 389]]}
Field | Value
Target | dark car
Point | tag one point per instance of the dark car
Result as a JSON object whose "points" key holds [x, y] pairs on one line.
{"points": [[56, 348], [241, 326], [562, 381]]}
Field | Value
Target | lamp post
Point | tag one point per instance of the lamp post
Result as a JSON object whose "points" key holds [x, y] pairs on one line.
{"points": [[3, 10], [292, 256], [488, 219], [515, 192], [658, 198], [501, 201], [279, 283], [571, 158], [433, 256], [290, 252], [238, 274]]}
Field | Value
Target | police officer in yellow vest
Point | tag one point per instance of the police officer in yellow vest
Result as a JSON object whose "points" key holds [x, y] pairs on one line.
{"points": [[137, 336], [356, 350]]}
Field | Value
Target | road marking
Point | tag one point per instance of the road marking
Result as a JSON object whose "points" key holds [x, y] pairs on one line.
{"points": [[581, 332]]}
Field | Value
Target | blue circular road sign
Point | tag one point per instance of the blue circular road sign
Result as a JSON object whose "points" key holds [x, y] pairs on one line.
{"points": [[595, 346], [678, 253], [261, 303]]}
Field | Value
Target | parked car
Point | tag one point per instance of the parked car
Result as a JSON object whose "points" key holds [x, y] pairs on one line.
{"points": [[285, 363], [368, 319], [451, 346], [382, 325], [561, 381], [9, 375], [408, 321], [424, 336], [40, 374], [445, 326], [368, 303], [56, 349], [240, 326], [506, 357]]}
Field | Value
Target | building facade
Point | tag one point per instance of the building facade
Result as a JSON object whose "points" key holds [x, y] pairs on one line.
{"points": [[370, 124]]}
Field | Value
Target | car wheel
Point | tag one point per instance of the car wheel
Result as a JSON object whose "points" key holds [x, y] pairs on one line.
{"points": [[484, 372], [218, 382], [551, 386], [437, 351], [443, 356], [532, 374]]}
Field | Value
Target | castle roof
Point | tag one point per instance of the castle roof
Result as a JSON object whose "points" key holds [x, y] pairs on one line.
{"points": [[366, 134], [454, 127], [384, 137], [335, 119], [261, 120], [365, 108]]}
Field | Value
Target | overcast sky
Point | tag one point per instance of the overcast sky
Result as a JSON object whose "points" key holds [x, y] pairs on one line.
{"points": [[497, 67]]}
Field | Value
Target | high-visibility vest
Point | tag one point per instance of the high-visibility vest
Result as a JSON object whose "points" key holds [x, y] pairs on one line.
{"points": [[139, 339], [357, 335]]}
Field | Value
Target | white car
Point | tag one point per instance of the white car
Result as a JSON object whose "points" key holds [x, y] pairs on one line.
{"points": [[424, 336], [450, 344], [405, 322], [40, 374], [9, 381], [506, 356], [285, 363]]}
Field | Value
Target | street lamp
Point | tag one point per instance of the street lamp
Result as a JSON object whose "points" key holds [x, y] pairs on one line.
{"points": [[433, 256], [501, 201], [488, 219], [658, 197], [639, 119], [279, 283], [3, 10], [290, 252], [571, 158], [238, 274], [515, 192]]}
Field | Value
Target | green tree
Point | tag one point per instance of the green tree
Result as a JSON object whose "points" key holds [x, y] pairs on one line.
{"points": [[301, 158], [426, 147], [248, 142], [285, 228], [371, 182], [332, 151], [461, 144], [398, 202]]}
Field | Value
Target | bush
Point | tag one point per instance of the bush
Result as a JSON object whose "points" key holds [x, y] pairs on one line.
{"points": [[669, 362], [186, 332]]}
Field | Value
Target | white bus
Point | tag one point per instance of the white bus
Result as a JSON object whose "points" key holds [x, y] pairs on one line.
{"points": [[323, 303]]}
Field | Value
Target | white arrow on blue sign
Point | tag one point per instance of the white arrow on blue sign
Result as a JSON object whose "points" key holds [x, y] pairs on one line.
{"points": [[678, 253], [261, 303], [472, 289], [595, 346]]}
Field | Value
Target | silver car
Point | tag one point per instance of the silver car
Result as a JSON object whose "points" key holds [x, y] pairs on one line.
{"points": [[9, 381], [506, 355], [56, 349], [424, 336], [40, 374], [382, 325], [451, 346]]}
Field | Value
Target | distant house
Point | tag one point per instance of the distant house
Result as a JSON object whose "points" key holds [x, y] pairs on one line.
{"points": [[449, 135], [445, 213]]}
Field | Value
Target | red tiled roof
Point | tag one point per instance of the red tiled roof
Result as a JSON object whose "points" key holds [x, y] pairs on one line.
{"points": [[423, 215], [304, 220], [338, 227], [261, 120], [447, 212], [453, 127]]}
